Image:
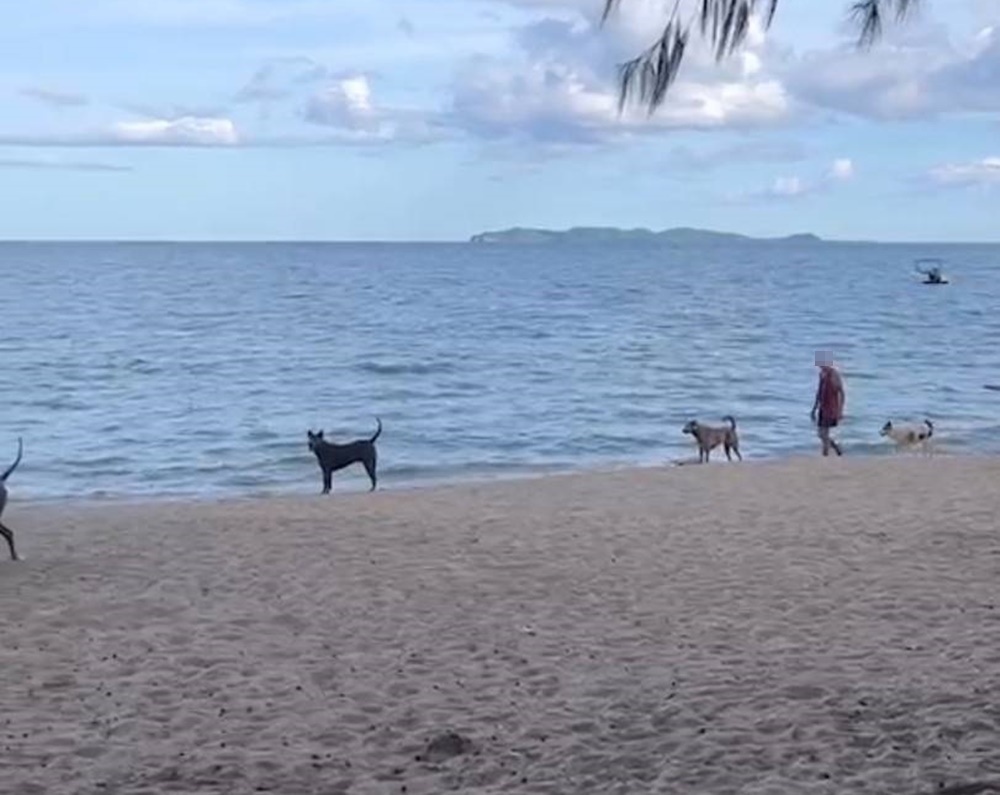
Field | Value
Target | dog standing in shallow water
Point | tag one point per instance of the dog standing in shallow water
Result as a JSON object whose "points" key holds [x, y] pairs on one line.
{"points": [[6, 532], [708, 438], [332, 457], [909, 436]]}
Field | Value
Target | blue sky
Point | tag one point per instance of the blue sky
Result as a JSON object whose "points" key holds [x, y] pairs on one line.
{"points": [[436, 119]]}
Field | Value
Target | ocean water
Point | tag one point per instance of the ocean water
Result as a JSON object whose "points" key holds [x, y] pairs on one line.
{"points": [[186, 369]]}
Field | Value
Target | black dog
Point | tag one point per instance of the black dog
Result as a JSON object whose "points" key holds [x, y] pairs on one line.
{"points": [[6, 532], [332, 457]]}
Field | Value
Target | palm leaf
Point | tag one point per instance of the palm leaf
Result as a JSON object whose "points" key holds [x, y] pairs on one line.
{"points": [[725, 25]]}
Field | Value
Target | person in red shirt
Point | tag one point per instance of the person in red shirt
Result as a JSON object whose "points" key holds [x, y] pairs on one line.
{"points": [[828, 408]]}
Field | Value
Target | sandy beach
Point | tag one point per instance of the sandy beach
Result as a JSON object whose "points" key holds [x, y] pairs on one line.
{"points": [[798, 627]]}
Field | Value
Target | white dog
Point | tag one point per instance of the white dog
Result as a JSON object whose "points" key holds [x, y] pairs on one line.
{"points": [[910, 436]]}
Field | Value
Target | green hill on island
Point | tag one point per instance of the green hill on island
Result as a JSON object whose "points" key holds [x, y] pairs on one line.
{"points": [[596, 234]]}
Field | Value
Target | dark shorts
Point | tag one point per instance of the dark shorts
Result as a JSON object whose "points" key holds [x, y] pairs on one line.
{"points": [[826, 422]]}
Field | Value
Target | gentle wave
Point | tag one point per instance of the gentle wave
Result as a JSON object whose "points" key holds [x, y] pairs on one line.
{"points": [[149, 375], [406, 368]]}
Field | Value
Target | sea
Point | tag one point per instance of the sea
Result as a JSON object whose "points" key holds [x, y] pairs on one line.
{"points": [[157, 370]]}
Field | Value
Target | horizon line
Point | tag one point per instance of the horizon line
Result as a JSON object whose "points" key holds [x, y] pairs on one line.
{"points": [[447, 241], [456, 241]]}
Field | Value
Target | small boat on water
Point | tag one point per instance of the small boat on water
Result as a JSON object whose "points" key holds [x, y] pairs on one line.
{"points": [[930, 269]]}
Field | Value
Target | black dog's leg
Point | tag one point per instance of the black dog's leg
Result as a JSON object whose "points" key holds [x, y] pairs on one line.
{"points": [[370, 462], [8, 535], [327, 480]]}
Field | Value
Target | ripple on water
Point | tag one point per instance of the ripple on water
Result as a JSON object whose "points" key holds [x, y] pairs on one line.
{"points": [[481, 363]]}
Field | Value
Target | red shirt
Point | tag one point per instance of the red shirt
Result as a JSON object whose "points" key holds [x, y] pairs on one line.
{"points": [[830, 394]]}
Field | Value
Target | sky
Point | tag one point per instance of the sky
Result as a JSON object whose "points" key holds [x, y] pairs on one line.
{"points": [[438, 119]]}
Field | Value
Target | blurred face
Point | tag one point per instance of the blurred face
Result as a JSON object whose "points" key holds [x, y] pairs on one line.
{"points": [[824, 359]]}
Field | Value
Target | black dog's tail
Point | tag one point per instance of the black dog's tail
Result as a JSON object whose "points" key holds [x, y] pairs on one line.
{"points": [[378, 432], [12, 467], [930, 428], [731, 420]]}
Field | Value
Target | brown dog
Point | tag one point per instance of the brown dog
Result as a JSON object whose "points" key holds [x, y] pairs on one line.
{"points": [[708, 438], [6, 532]]}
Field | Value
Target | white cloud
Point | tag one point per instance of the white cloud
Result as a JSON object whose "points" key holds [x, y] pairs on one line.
{"points": [[549, 83], [347, 107], [918, 70], [842, 169], [185, 131], [345, 103], [725, 104], [751, 64], [51, 164], [542, 102], [787, 187], [784, 188], [978, 172], [209, 13], [794, 187], [915, 73], [559, 87], [160, 134]]}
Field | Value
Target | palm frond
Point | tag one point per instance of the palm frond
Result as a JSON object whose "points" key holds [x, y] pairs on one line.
{"points": [[650, 75], [867, 15], [610, 6], [772, 6], [725, 25], [904, 7]]}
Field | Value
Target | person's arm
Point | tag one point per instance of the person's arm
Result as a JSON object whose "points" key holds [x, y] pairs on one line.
{"points": [[819, 393], [839, 396]]}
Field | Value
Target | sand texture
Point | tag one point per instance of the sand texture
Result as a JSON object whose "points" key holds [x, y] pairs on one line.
{"points": [[803, 627]]}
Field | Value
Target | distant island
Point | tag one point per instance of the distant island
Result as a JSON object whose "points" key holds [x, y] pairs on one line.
{"points": [[598, 234]]}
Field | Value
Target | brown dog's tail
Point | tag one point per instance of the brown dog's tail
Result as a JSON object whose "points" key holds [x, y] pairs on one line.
{"points": [[378, 431], [731, 420], [12, 467]]}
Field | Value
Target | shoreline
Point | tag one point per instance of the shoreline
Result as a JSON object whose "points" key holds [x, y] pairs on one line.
{"points": [[433, 484]]}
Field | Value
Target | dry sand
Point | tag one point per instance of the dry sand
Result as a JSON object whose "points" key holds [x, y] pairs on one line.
{"points": [[804, 627]]}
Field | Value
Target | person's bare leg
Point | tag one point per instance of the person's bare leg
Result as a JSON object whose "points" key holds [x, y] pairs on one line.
{"points": [[836, 447], [824, 437]]}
